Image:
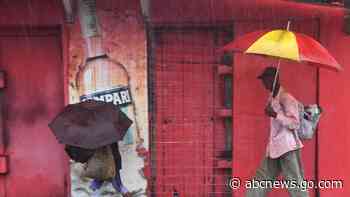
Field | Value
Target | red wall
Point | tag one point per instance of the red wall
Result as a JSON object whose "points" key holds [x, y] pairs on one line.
{"points": [[332, 145], [334, 134], [31, 12], [250, 125], [25, 16]]}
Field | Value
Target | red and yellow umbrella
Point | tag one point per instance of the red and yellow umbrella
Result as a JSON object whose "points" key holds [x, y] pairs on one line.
{"points": [[285, 44]]}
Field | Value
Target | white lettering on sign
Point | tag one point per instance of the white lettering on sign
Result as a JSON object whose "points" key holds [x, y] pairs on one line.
{"points": [[125, 96], [117, 96], [116, 99]]}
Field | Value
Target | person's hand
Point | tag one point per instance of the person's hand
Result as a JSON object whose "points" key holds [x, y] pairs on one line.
{"points": [[269, 111]]}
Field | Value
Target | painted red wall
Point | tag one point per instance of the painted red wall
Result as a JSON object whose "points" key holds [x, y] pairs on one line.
{"points": [[332, 145], [246, 138], [31, 12], [334, 134], [24, 16], [250, 126]]}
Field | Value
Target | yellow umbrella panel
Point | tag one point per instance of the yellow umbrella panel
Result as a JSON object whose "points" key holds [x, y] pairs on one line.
{"points": [[277, 43]]}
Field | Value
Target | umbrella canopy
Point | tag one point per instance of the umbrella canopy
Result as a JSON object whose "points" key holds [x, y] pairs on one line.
{"points": [[90, 124], [286, 45]]}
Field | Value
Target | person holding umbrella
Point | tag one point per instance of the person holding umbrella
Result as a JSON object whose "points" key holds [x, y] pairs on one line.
{"points": [[90, 131], [283, 148]]}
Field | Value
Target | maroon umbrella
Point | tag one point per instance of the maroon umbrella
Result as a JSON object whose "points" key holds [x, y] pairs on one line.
{"points": [[90, 124]]}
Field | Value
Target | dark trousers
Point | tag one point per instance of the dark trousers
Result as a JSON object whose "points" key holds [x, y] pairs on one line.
{"points": [[117, 157], [289, 164]]}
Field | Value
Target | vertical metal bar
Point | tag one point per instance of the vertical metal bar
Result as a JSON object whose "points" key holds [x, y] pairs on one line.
{"points": [[2, 129], [3, 157], [228, 60], [215, 77], [228, 105], [3, 166], [151, 80], [317, 191], [233, 95]]}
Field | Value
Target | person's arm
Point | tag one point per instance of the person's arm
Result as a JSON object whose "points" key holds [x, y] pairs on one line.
{"points": [[289, 117]]}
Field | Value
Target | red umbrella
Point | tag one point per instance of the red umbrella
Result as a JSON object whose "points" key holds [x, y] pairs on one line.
{"points": [[284, 44]]}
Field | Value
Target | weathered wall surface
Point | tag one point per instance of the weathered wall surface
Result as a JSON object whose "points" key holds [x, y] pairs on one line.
{"points": [[124, 39], [250, 125]]}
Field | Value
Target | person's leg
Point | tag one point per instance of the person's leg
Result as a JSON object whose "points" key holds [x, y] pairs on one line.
{"points": [[116, 181], [95, 187], [268, 170], [96, 184], [118, 185], [117, 157], [292, 170]]}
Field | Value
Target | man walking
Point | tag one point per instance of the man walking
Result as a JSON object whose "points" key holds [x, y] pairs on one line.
{"points": [[283, 148]]}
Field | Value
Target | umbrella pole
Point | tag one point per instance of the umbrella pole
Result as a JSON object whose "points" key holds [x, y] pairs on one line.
{"points": [[274, 80], [277, 71]]}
